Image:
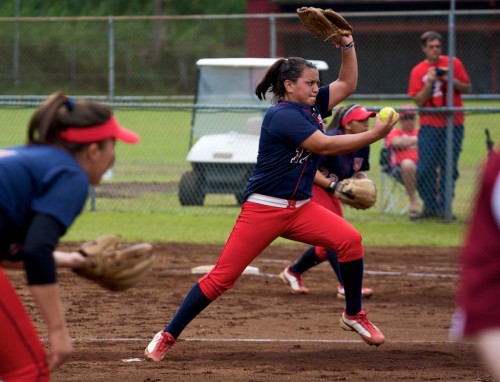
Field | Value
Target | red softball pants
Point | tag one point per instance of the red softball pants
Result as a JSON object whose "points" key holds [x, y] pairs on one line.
{"points": [[327, 200], [22, 355], [259, 225]]}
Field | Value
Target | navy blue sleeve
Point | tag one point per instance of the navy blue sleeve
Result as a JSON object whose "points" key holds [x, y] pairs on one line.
{"points": [[63, 194], [282, 121], [41, 240]]}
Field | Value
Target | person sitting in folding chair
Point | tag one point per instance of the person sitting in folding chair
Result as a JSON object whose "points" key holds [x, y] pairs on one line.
{"points": [[402, 143]]}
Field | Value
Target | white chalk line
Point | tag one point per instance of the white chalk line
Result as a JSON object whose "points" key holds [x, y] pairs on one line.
{"points": [[259, 340], [368, 272], [412, 274], [419, 267], [254, 340]]}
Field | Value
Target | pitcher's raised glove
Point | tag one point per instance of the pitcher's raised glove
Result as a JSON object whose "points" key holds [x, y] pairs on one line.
{"points": [[357, 193], [112, 267], [326, 23]]}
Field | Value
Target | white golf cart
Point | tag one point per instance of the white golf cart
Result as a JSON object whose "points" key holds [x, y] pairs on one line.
{"points": [[225, 127]]}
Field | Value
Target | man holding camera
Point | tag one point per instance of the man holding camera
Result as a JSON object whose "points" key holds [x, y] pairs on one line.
{"points": [[428, 87]]}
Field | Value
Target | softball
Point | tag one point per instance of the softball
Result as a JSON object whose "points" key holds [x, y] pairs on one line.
{"points": [[384, 113]]}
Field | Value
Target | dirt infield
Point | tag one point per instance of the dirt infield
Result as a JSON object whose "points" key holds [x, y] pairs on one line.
{"points": [[258, 331]]}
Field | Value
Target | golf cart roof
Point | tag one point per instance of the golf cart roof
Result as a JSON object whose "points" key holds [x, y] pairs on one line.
{"points": [[249, 62]]}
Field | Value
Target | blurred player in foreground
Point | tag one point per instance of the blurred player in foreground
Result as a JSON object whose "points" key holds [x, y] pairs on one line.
{"points": [[277, 200], [478, 312], [43, 188], [350, 119]]}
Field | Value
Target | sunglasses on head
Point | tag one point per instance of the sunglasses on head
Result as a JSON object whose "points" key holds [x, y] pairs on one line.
{"points": [[407, 117]]}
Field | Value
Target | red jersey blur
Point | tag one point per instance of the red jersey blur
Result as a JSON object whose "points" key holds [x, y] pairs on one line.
{"points": [[399, 154], [418, 79], [480, 259]]}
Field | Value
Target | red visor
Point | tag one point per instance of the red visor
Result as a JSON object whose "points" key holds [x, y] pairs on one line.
{"points": [[358, 113], [107, 130]]}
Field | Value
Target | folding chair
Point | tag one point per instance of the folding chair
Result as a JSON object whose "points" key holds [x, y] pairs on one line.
{"points": [[393, 194]]}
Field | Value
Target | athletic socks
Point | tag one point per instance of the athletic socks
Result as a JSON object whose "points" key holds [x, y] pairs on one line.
{"points": [[334, 262], [193, 304], [307, 261], [352, 275], [349, 274]]}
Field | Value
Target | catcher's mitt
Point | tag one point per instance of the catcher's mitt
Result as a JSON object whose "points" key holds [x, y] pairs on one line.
{"points": [[113, 268], [326, 23], [357, 193]]}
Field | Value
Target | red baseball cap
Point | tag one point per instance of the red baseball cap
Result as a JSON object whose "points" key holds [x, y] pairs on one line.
{"points": [[356, 113], [405, 113]]}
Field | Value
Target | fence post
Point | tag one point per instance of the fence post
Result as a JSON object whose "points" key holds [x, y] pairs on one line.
{"points": [[111, 59], [15, 63], [92, 198], [272, 36], [448, 214]]}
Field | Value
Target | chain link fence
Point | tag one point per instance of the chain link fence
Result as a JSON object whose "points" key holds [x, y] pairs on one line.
{"points": [[146, 67]]}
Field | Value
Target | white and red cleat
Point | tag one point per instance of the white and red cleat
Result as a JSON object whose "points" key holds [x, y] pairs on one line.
{"points": [[294, 281], [157, 348], [361, 325]]}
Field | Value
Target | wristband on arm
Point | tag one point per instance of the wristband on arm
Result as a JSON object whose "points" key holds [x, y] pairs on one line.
{"points": [[331, 187]]}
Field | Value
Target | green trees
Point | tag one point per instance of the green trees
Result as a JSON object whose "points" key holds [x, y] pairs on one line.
{"points": [[125, 57], [41, 8]]}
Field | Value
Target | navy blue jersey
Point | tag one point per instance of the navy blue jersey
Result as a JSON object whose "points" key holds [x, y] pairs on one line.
{"points": [[284, 169], [340, 167], [40, 179]]}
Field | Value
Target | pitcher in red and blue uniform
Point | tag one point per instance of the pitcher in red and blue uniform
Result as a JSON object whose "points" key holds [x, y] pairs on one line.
{"points": [[277, 201], [350, 119]]}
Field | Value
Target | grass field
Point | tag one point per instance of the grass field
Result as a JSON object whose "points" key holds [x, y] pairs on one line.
{"points": [[160, 158]]}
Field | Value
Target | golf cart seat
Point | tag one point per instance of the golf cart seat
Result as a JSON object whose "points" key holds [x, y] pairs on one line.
{"points": [[253, 125]]}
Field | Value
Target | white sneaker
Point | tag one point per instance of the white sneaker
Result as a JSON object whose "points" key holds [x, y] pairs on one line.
{"points": [[294, 281], [365, 292]]}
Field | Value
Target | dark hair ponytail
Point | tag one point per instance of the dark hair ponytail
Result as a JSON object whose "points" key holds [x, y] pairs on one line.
{"points": [[60, 112], [282, 70]]}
